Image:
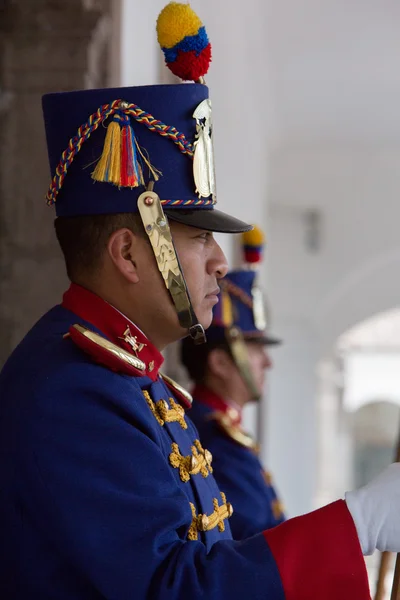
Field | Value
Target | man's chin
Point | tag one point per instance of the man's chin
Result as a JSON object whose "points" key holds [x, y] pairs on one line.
{"points": [[205, 318]]}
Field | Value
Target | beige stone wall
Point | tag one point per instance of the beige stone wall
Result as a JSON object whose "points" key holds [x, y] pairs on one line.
{"points": [[46, 45]]}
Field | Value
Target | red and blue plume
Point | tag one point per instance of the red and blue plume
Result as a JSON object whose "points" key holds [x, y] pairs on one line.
{"points": [[184, 41], [253, 245]]}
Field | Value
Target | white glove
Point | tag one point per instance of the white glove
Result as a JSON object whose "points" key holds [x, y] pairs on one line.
{"points": [[375, 509]]}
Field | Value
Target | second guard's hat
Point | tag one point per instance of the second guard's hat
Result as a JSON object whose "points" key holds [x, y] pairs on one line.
{"points": [[242, 303]]}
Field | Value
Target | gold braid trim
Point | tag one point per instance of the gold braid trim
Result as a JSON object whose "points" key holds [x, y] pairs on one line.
{"points": [[198, 462], [163, 413], [235, 432], [267, 477], [192, 533], [216, 519], [277, 508]]}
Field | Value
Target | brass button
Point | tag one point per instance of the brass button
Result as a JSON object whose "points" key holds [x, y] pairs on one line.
{"points": [[233, 414], [204, 521], [193, 463], [208, 457]]}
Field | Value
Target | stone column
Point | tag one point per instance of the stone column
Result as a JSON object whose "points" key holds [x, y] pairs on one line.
{"points": [[45, 46]]}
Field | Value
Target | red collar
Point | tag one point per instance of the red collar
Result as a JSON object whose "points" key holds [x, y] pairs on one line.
{"points": [[203, 394], [118, 328]]}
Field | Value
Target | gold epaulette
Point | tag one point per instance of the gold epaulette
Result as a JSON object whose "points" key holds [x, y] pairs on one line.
{"points": [[105, 352], [235, 432]]}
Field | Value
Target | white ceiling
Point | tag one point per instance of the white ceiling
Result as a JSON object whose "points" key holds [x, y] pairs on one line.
{"points": [[334, 69], [379, 333]]}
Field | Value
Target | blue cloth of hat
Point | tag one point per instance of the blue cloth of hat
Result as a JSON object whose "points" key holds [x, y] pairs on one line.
{"points": [[174, 105], [243, 317]]}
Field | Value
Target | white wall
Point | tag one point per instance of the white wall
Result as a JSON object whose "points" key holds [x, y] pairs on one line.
{"points": [[317, 296], [336, 149]]}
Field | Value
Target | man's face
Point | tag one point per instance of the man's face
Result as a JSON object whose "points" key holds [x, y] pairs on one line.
{"points": [[222, 365], [203, 263], [260, 361]]}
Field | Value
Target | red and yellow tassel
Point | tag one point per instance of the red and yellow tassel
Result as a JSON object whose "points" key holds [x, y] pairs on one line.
{"points": [[131, 171], [119, 163]]}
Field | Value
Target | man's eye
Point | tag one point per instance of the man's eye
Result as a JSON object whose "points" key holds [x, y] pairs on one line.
{"points": [[206, 235]]}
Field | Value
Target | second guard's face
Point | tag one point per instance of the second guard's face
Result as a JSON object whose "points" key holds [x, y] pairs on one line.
{"points": [[203, 264], [260, 362]]}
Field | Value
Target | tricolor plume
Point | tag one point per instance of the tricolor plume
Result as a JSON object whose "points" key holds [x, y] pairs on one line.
{"points": [[184, 41], [253, 245]]}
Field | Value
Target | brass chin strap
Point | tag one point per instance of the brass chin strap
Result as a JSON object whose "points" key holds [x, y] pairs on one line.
{"points": [[238, 348], [157, 228], [259, 312]]}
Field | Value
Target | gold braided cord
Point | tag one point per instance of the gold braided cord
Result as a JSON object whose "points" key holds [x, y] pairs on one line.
{"points": [[164, 413], [208, 522]]}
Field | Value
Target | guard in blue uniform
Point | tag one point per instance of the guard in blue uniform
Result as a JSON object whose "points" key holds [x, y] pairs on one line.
{"points": [[106, 490], [228, 373]]}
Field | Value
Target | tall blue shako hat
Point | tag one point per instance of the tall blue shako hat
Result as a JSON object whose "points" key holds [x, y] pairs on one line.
{"points": [[144, 149], [242, 303], [240, 316]]}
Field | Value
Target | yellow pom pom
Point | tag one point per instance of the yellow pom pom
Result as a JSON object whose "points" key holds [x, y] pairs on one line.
{"points": [[175, 22], [255, 237]]}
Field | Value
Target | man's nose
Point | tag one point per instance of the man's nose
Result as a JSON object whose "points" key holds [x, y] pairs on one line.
{"points": [[218, 265]]}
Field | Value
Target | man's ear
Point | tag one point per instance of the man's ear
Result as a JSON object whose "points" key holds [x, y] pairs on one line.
{"points": [[122, 248], [220, 363]]}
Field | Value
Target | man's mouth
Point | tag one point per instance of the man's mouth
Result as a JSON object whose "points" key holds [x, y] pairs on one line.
{"points": [[213, 295]]}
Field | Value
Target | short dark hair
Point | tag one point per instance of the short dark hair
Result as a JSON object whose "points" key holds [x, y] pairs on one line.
{"points": [[195, 357], [83, 239]]}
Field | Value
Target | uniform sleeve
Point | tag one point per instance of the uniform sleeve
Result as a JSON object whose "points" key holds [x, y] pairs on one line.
{"points": [[107, 499], [240, 476]]}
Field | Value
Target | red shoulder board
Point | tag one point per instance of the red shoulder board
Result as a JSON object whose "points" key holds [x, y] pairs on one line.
{"points": [[105, 352], [183, 397]]}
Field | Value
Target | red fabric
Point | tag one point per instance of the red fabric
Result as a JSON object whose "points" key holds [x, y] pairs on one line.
{"points": [[190, 66], [124, 179], [113, 324], [128, 174], [203, 394], [319, 556]]}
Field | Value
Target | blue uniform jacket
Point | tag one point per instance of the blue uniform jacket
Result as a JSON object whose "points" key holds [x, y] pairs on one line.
{"points": [[236, 465], [100, 497]]}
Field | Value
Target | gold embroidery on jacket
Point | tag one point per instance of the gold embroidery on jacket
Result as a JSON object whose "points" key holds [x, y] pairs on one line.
{"points": [[277, 509], [208, 522], [165, 413], [198, 462], [234, 431], [267, 477]]}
